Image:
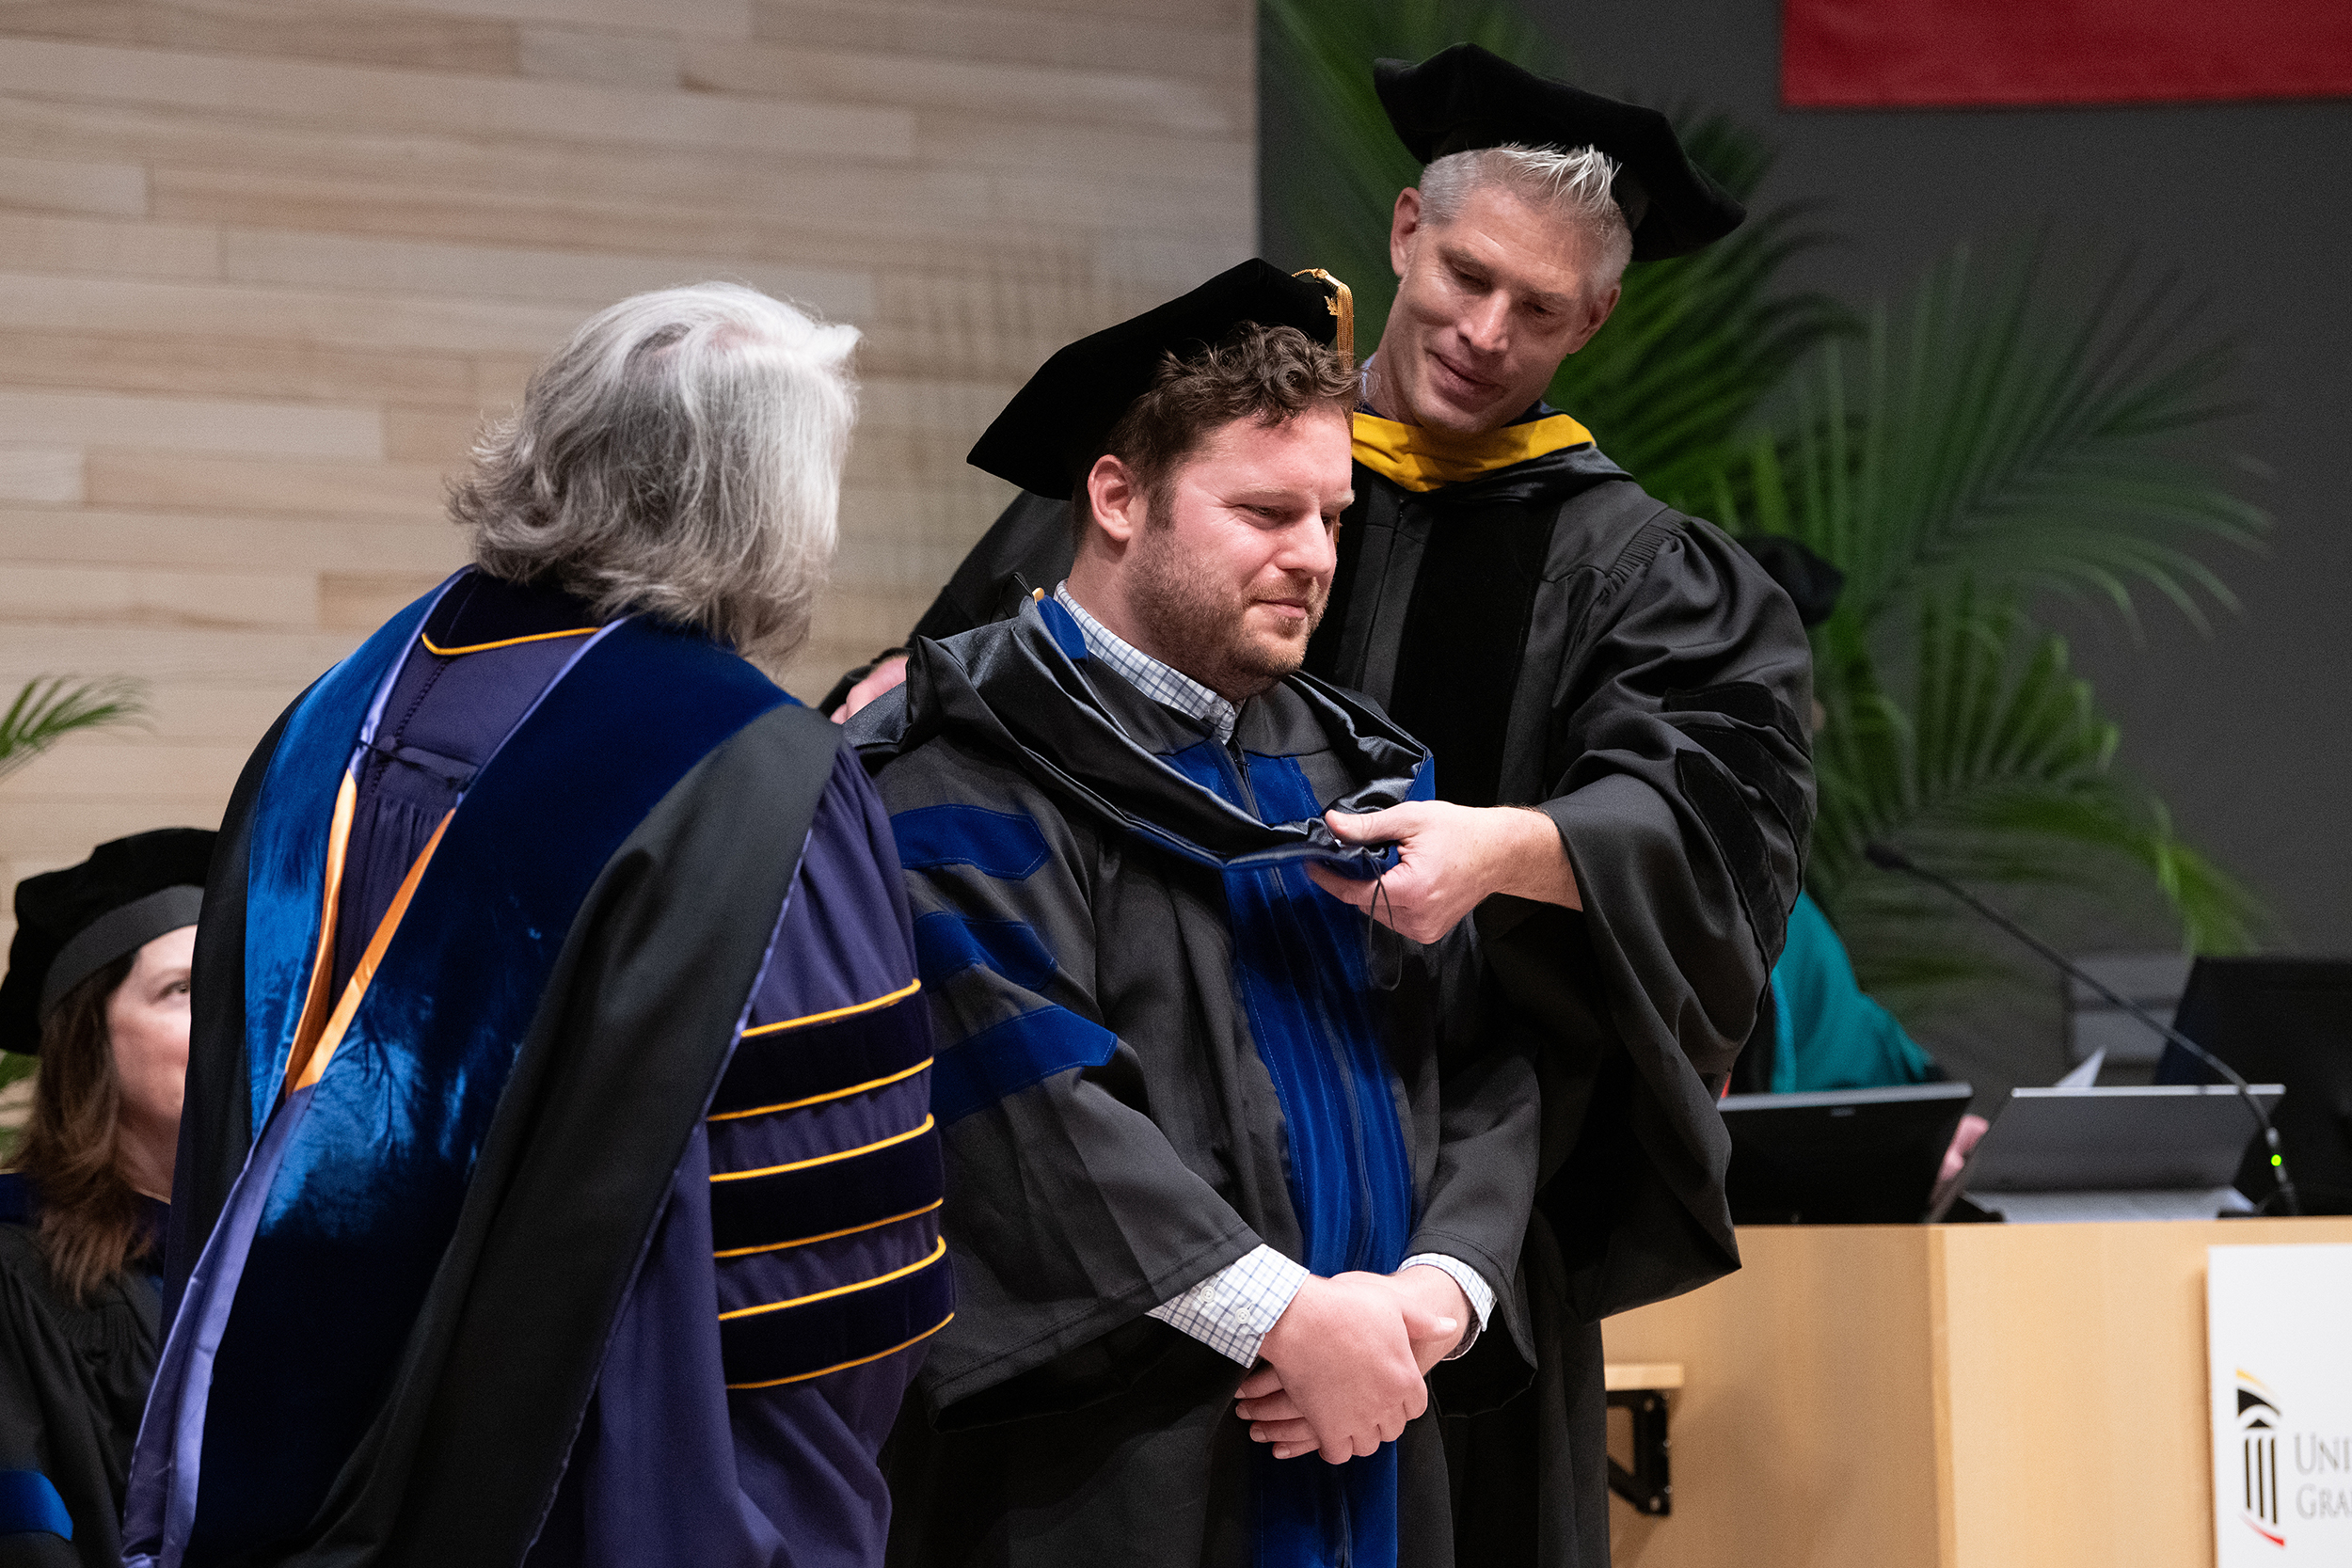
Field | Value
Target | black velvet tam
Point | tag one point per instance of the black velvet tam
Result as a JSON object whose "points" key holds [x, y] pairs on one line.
{"points": [[1810, 582], [57, 907], [1465, 97], [1055, 426]]}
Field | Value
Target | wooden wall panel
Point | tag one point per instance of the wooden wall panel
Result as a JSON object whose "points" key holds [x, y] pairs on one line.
{"points": [[266, 264]]}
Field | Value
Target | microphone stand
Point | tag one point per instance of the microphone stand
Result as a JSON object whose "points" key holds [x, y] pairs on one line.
{"points": [[1887, 857]]}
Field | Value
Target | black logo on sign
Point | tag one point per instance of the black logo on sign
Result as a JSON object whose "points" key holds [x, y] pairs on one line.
{"points": [[2258, 1435]]}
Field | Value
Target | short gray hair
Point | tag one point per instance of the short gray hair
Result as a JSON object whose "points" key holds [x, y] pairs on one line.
{"points": [[680, 457], [1574, 185]]}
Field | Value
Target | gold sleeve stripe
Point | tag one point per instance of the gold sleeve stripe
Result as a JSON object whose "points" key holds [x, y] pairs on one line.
{"points": [[432, 647], [830, 1235], [845, 1366], [899, 995], [316, 1002], [820, 1098], [825, 1159], [916, 1267], [313, 1065]]}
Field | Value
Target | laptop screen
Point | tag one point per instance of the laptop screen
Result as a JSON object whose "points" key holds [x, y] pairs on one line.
{"points": [[2280, 1020]]}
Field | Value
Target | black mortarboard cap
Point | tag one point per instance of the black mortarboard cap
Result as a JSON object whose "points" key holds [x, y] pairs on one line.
{"points": [[1056, 424], [1465, 97], [1813, 584], [73, 923]]}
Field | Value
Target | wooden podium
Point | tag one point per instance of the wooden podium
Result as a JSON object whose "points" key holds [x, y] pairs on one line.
{"points": [[1979, 1396]]}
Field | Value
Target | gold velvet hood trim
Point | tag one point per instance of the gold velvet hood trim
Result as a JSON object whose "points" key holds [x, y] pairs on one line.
{"points": [[1419, 458]]}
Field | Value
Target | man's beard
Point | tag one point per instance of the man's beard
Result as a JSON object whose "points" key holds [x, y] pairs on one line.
{"points": [[1203, 621]]}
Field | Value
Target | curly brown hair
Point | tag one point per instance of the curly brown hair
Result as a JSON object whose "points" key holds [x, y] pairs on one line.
{"points": [[91, 1222], [1272, 374]]}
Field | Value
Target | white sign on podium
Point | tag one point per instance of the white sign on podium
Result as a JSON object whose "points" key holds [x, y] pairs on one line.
{"points": [[2278, 1343]]}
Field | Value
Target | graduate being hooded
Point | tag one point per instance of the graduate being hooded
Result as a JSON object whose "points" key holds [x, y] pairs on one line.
{"points": [[1227, 1178]]}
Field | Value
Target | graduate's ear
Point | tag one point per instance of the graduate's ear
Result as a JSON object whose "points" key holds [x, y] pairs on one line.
{"points": [[1403, 226], [1117, 500]]}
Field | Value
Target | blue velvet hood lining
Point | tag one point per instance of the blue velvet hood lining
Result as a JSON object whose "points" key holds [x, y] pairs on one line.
{"points": [[375, 1171]]}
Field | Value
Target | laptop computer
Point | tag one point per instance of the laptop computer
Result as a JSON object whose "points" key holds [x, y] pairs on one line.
{"points": [[2165, 1151], [2284, 1020], [1840, 1156]]}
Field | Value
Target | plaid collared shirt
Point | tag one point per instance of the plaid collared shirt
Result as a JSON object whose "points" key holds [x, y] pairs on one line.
{"points": [[1168, 687], [1232, 1309]]}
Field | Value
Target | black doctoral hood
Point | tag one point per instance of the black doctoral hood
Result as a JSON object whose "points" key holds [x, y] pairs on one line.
{"points": [[1025, 690]]}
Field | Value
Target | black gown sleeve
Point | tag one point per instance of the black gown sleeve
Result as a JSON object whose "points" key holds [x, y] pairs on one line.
{"points": [[1684, 803], [1069, 1214], [1475, 1199], [73, 1378]]}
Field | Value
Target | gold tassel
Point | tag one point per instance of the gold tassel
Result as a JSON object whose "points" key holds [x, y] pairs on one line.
{"points": [[1343, 305]]}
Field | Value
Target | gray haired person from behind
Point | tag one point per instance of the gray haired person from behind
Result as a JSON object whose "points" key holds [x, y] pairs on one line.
{"points": [[556, 1181]]}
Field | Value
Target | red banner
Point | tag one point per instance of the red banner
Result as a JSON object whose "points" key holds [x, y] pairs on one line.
{"points": [[1924, 53]]}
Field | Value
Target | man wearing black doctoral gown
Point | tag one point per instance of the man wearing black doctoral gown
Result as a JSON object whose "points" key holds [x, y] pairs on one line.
{"points": [[1193, 1117], [1613, 693]]}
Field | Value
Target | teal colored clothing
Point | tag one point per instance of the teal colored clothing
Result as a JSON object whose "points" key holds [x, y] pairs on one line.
{"points": [[1831, 1035]]}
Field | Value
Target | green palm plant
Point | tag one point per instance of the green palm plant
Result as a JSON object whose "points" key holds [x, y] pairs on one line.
{"points": [[1996, 766], [2010, 437], [49, 707], [45, 711]]}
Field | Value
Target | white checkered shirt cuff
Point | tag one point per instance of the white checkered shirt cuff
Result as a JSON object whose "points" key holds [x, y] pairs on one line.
{"points": [[1473, 1284], [1234, 1309]]}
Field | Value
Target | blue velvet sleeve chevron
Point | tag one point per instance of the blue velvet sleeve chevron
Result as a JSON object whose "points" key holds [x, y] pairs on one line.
{"points": [[1005, 845], [947, 943], [29, 1505], [1035, 1043], [1012, 1055]]}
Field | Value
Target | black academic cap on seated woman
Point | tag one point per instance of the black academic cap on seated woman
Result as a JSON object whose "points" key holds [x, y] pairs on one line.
{"points": [[1810, 582], [1465, 97], [73, 923], [1056, 424]]}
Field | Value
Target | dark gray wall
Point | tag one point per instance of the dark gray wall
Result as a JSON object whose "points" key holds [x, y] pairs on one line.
{"points": [[2249, 734]]}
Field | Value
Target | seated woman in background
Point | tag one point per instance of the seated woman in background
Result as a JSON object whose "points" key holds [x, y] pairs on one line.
{"points": [[98, 987], [1827, 1032]]}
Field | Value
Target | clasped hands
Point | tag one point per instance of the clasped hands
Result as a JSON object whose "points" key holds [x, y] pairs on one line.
{"points": [[1347, 1361]]}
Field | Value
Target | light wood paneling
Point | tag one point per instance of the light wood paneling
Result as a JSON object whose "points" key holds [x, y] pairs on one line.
{"points": [[2010, 1396], [267, 265], [118, 190]]}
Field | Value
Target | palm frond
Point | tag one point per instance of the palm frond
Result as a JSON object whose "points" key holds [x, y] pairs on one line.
{"points": [[2024, 432], [49, 707], [1996, 766], [1696, 347]]}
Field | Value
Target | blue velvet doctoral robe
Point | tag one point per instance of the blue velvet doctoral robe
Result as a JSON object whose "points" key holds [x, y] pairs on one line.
{"points": [[501, 816]]}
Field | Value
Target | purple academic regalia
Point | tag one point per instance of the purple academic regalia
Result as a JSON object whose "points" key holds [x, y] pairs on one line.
{"points": [[688, 1452]]}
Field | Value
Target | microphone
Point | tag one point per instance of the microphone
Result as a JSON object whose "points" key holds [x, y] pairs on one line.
{"points": [[1887, 857]]}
